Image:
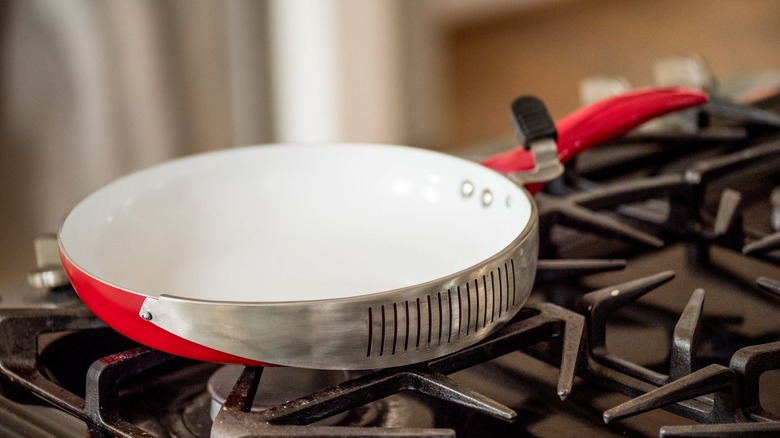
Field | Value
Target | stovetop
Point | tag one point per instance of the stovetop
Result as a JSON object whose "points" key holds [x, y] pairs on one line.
{"points": [[653, 312]]}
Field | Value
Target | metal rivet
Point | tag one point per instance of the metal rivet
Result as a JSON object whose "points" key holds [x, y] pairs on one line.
{"points": [[146, 315], [467, 189], [487, 197]]}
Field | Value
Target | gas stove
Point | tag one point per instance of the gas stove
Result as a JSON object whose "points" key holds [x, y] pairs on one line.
{"points": [[653, 312]]}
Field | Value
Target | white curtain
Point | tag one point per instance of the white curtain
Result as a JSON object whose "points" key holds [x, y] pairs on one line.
{"points": [[91, 90]]}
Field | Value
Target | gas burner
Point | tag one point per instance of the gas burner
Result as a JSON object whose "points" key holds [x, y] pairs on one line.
{"points": [[279, 385], [400, 410]]}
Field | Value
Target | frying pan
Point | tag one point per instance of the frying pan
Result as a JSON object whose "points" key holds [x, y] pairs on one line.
{"points": [[338, 256]]}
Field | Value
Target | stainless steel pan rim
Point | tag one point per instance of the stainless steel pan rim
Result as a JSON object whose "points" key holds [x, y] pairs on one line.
{"points": [[386, 329]]}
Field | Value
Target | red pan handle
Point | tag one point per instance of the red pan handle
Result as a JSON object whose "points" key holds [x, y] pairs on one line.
{"points": [[600, 122]]}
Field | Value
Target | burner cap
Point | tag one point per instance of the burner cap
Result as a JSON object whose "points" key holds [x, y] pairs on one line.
{"points": [[277, 385]]}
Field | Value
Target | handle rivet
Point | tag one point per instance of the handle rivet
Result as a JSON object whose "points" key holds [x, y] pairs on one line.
{"points": [[487, 198], [467, 189], [146, 316]]}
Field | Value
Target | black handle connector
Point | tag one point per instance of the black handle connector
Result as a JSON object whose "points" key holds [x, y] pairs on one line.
{"points": [[531, 121]]}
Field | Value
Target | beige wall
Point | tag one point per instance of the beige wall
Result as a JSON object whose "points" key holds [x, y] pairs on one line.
{"points": [[546, 50]]}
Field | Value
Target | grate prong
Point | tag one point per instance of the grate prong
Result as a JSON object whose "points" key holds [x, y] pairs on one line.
{"points": [[686, 334], [713, 378]]}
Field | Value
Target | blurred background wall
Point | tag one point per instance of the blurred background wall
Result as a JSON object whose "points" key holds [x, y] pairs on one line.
{"points": [[91, 90]]}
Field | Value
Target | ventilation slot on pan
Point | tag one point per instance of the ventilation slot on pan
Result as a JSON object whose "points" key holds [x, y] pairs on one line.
{"points": [[449, 315], [484, 301], [442, 317]]}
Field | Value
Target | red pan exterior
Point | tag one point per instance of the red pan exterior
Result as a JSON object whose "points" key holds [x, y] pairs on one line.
{"points": [[120, 309]]}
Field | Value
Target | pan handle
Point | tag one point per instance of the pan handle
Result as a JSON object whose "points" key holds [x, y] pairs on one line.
{"points": [[536, 131], [601, 122]]}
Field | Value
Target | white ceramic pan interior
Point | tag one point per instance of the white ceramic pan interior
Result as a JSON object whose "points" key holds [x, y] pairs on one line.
{"points": [[294, 223]]}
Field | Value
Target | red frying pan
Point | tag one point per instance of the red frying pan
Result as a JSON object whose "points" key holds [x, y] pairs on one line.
{"points": [[340, 256]]}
